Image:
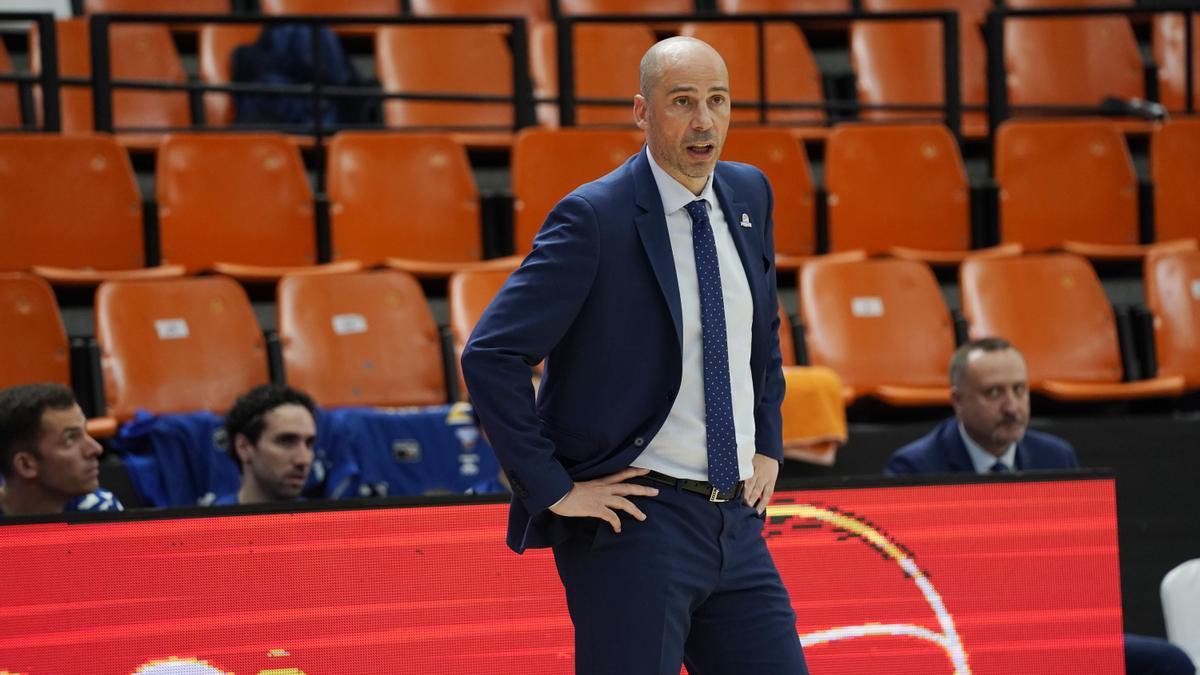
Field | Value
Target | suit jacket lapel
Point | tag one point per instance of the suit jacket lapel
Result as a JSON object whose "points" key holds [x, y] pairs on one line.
{"points": [[652, 228], [748, 242], [957, 457]]}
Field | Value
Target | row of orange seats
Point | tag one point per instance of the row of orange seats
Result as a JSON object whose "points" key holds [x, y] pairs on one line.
{"points": [[368, 338], [884, 327], [1077, 61], [241, 204]]}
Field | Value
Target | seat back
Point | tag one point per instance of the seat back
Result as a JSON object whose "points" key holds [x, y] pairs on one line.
{"points": [[436, 220], [360, 339], [1065, 180], [1167, 41], [792, 73], [1172, 287], [594, 7], [1180, 592], [1174, 149], [156, 6], [469, 60], [215, 46], [241, 198], [98, 226], [781, 6], [607, 58], [548, 164], [896, 185], [177, 346], [136, 52], [1052, 307], [538, 10], [33, 342], [365, 7], [787, 338], [1071, 60], [10, 101], [785, 163], [877, 322], [901, 62], [468, 294]]}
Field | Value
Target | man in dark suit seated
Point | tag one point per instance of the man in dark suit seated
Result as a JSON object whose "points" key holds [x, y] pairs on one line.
{"points": [[989, 390]]}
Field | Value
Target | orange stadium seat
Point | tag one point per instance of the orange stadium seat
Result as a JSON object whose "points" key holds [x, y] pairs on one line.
{"points": [[1053, 308], [1167, 44], [548, 164], [533, 10], [787, 338], [433, 231], [91, 235], [1071, 61], [781, 6], [365, 7], [594, 7], [1174, 149], [10, 101], [883, 326], [468, 294], [470, 60], [1172, 285], [215, 46], [239, 204], [34, 341], [792, 73], [157, 6], [1068, 184], [136, 51], [607, 58], [360, 339], [785, 163], [176, 346], [900, 62], [898, 189]]}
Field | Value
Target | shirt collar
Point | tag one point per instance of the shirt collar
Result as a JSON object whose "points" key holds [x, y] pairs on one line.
{"points": [[984, 460], [673, 194]]}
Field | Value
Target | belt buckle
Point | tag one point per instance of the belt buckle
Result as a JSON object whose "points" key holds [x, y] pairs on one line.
{"points": [[716, 497]]}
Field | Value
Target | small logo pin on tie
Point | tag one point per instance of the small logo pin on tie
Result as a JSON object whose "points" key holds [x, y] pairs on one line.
{"points": [[745, 220]]}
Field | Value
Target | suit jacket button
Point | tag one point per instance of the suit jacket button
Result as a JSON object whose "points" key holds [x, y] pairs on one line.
{"points": [[639, 441]]}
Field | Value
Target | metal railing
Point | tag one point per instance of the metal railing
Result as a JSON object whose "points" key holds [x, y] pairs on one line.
{"points": [[47, 79]]}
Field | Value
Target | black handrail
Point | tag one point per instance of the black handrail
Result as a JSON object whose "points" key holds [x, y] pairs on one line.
{"points": [[48, 77]]}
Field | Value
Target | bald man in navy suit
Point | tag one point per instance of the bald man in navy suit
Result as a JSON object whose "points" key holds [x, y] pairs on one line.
{"points": [[988, 434], [653, 446]]}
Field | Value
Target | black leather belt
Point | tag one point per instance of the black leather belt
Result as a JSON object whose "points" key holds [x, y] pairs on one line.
{"points": [[698, 486]]}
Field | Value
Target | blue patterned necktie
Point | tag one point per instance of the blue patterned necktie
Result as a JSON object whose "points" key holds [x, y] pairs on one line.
{"points": [[999, 467], [718, 399]]}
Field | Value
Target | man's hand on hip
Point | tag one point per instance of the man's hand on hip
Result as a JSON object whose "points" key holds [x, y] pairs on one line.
{"points": [[603, 497], [761, 485]]}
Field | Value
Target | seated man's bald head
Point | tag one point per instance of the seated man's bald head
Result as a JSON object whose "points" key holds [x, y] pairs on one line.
{"points": [[666, 52]]}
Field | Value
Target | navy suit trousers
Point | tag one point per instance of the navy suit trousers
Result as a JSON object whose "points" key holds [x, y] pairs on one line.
{"points": [[694, 583]]}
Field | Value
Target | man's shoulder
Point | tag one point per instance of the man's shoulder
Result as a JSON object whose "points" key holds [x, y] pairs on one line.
{"points": [[1040, 441], [926, 454]]}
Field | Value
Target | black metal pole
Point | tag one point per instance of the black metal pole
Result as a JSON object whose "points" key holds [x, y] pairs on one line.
{"points": [[524, 113], [950, 62], [102, 93], [566, 72], [997, 85], [48, 44]]}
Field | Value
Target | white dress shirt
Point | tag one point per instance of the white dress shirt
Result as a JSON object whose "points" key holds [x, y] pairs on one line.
{"points": [[984, 460], [678, 449]]}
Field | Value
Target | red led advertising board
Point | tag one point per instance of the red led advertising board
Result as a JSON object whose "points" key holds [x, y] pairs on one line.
{"points": [[989, 578]]}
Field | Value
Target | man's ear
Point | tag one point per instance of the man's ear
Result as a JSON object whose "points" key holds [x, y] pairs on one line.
{"points": [[25, 465], [243, 447], [955, 399], [640, 110]]}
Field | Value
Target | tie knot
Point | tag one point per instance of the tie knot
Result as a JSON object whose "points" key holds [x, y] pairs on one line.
{"points": [[698, 210], [999, 467]]}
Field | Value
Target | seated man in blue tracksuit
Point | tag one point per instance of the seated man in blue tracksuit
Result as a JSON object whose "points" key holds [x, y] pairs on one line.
{"points": [[990, 395], [49, 462], [272, 431]]}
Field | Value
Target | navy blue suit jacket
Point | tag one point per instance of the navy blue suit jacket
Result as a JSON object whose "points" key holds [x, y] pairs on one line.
{"points": [[943, 451], [599, 300]]}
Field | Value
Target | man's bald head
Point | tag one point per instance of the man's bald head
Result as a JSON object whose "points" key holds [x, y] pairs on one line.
{"points": [[671, 51]]}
